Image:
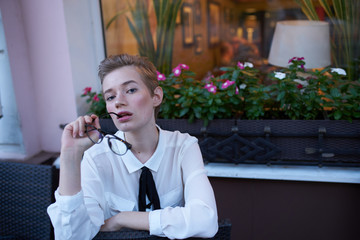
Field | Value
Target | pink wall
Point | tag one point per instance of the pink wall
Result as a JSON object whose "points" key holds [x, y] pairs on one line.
{"points": [[39, 59]]}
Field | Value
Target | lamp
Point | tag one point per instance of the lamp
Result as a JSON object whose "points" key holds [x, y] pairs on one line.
{"points": [[301, 38]]}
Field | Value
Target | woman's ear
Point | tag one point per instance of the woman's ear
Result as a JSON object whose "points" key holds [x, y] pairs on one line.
{"points": [[158, 96]]}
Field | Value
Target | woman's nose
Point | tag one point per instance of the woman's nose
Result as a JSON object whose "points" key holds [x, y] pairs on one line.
{"points": [[117, 104], [120, 101]]}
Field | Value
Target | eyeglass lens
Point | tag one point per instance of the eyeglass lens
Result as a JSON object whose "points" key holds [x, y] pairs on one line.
{"points": [[115, 144], [93, 134]]}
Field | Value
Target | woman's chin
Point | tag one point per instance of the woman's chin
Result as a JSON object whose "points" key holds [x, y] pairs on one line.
{"points": [[124, 127]]}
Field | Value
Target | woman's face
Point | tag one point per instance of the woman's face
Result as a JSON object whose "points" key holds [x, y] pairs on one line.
{"points": [[126, 94]]}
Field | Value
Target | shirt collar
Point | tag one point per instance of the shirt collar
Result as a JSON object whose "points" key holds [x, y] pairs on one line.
{"points": [[132, 164]]}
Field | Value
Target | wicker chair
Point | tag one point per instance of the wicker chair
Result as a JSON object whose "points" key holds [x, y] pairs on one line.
{"points": [[223, 233], [26, 192]]}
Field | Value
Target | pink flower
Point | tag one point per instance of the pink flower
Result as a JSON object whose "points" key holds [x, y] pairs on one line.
{"points": [[183, 66], [208, 85], [87, 90], [96, 98], [237, 91], [299, 86], [240, 65], [160, 76], [296, 59], [212, 89], [227, 84], [177, 71], [291, 59]]}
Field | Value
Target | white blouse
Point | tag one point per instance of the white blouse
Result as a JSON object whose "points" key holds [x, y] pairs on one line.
{"points": [[110, 184]]}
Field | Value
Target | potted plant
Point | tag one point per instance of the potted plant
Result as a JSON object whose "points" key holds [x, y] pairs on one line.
{"points": [[240, 120], [158, 51]]}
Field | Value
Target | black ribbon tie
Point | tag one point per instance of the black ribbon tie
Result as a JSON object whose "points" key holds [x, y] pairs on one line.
{"points": [[147, 187]]}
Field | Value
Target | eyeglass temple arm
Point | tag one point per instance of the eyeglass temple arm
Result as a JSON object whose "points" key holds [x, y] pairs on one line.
{"points": [[103, 132], [102, 116], [114, 114]]}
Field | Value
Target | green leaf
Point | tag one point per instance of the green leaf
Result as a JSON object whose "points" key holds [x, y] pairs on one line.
{"points": [[335, 93], [218, 101], [337, 115], [235, 75], [356, 114], [280, 96], [115, 17], [183, 112]]}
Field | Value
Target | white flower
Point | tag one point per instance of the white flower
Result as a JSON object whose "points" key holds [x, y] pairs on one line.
{"points": [[248, 64], [339, 71], [242, 86], [302, 82], [280, 75]]}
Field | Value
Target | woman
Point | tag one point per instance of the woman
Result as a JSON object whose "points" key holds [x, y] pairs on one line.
{"points": [[100, 188]]}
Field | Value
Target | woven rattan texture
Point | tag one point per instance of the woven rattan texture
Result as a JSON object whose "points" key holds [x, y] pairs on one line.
{"points": [[26, 192], [224, 233]]}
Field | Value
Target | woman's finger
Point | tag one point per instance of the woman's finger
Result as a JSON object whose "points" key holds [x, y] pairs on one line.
{"points": [[83, 121], [88, 119], [75, 128], [96, 121]]}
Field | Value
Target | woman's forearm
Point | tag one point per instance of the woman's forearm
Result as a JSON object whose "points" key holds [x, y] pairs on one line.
{"points": [[74, 142], [70, 182], [133, 220]]}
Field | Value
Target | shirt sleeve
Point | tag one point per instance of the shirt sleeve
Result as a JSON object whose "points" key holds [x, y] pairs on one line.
{"points": [[198, 218], [76, 217]]}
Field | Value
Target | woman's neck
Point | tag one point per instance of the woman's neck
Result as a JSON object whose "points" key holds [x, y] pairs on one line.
{"points": [[143, 143]]}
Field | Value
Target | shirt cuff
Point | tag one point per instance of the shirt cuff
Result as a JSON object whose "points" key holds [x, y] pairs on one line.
{"points": [[154, 223], [69, 203]]}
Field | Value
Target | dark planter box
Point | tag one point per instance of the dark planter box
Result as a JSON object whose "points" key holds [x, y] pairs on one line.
{"points": [[286, 142]]}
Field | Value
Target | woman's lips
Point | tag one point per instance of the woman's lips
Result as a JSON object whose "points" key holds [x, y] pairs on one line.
{"points": [[124, 116]]}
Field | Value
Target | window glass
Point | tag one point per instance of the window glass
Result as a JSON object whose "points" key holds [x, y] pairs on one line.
{"points": [[209, 34], [11, 142]]}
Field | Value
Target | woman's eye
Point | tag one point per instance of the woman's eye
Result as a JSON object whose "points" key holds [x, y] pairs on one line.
{"points": [[131, 90], [110, 98]]}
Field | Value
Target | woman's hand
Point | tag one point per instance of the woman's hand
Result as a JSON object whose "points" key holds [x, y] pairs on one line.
{"points": [[133, 220], [74, 137], [74, 142], [111, 224]]}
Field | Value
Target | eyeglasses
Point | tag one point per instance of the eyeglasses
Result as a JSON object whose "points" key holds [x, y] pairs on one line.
{"points": [[116, 144]]}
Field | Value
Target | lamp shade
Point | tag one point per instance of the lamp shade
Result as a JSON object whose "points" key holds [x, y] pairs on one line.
{"points": [[301, 38]]}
